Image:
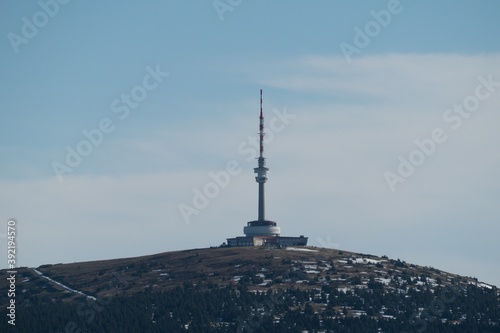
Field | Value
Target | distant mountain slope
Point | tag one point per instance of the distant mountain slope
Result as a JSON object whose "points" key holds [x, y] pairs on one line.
{"points": [[293, 289]]}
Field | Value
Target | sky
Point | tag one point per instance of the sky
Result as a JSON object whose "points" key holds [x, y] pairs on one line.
{"points": [[129, 128]]}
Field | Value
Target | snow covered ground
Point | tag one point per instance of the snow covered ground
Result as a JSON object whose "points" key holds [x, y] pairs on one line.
{"points": [[303, 250], [64, 286]]}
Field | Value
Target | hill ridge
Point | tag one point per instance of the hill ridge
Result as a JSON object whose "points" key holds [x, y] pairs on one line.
{"points": [[252, 289], [177, 268]]}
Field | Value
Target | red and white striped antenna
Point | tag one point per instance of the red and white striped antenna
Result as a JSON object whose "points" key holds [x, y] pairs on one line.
{"points": [[261, 128]]}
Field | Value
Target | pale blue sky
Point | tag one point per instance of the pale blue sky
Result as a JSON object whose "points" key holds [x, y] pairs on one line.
{"points": [[353, 120]]}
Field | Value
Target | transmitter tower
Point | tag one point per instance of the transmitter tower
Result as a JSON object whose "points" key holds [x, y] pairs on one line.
{"points": [[262, 231]]}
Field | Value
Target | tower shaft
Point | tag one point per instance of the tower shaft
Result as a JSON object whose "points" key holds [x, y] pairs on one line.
{"points": [[261, 202]]}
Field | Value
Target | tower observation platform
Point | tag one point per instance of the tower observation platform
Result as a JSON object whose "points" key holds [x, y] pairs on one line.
{"points": [[262, 231]]}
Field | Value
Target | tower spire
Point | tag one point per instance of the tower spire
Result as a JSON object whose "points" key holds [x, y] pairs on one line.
{"points": [[261, 128], [261, 170]]}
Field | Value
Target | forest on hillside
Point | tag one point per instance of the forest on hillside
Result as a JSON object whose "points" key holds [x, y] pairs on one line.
{"points": [[212, 308]]}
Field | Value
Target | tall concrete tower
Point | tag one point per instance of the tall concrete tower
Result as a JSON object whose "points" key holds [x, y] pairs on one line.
{"points": [[262, 231], [261, 170], [261, 227]]}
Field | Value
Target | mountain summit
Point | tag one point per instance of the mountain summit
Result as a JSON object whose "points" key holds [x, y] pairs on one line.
{"points": [[251, 289]]}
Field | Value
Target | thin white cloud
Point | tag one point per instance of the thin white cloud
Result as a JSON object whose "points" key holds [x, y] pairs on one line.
{"points": [[395, 77]]}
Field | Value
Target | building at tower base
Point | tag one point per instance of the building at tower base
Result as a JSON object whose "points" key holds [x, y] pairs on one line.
{"points": [[277, 241]]}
